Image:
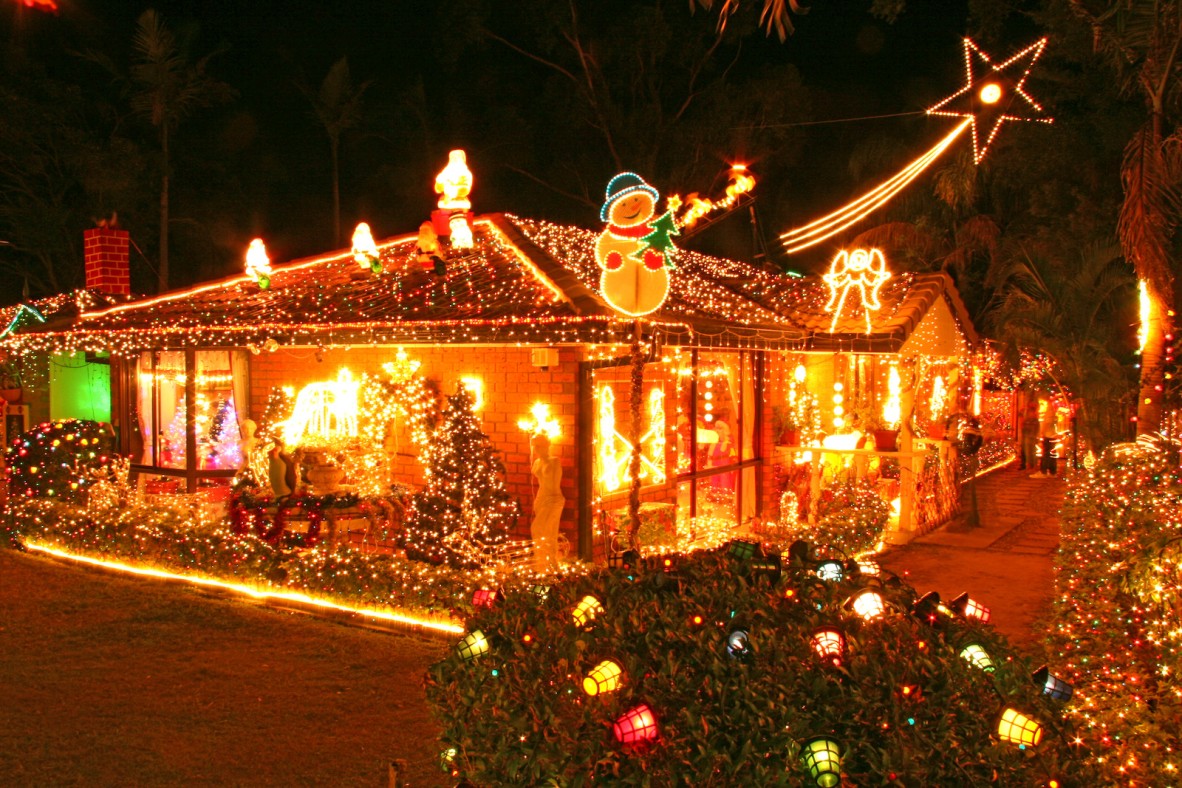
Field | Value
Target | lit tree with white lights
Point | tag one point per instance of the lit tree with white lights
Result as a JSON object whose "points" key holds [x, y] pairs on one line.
{"points": [[464, 507]]}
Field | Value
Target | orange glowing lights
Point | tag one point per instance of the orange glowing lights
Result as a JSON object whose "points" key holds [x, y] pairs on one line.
{"points": [[994, 103], [853, 212]]}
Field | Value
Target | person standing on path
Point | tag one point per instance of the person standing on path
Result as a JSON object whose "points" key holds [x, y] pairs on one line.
{"points": [[1029, 429]]}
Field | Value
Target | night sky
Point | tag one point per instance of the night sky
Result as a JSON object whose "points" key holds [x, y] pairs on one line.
{"points": [[276, 182]]}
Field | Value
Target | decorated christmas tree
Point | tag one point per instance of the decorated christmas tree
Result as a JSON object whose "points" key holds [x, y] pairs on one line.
{"points": [[464, 508], [279, 407], [225, 451], [57, 459]]}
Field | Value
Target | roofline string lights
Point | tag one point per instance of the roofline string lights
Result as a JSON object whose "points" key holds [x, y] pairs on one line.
{"points": [[992, 104]]}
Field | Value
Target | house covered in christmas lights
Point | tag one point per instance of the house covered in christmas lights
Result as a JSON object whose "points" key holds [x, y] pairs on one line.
{"points": [[744, 376]]}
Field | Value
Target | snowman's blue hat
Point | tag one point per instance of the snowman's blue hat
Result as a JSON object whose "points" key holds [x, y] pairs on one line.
{"points": [[623, 184]]}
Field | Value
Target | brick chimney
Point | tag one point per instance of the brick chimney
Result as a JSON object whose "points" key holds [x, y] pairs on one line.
{"points": [[107, 261]]}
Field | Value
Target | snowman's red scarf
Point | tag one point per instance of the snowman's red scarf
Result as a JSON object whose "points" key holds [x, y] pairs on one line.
{"points": [[637, 231]]}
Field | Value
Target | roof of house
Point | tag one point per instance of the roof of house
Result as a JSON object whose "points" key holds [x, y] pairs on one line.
{"points": [[524, 282]]}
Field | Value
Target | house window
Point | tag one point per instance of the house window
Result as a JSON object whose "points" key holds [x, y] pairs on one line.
{"points": [[171, 427]]}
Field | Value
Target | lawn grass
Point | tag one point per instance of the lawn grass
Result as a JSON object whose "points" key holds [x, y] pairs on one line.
{"points": [[106, 680]]}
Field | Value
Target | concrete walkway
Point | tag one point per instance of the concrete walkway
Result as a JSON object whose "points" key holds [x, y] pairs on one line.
{"points": [[1005, 564]]}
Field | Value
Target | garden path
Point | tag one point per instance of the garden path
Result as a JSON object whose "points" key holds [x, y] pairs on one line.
{"points": [[1006, 563]]}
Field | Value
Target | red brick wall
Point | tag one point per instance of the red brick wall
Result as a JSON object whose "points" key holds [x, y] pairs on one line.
{"points": [[107, 260], [511, 386]]}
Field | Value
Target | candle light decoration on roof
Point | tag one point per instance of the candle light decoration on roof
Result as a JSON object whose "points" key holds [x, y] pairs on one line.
{"points": [[365, 251], [454, 185], [258, 264]]}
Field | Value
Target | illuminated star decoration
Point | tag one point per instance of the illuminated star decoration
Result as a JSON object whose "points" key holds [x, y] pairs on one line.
{"points": [[989, 96], [862, 269]]}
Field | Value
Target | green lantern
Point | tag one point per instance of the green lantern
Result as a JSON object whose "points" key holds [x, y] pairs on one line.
{"points": [[979, 657], [822, 758], [474, 645]]}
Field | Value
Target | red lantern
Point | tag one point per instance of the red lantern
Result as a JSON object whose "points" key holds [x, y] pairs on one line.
{"points": [[636, 726], [484, 597]]}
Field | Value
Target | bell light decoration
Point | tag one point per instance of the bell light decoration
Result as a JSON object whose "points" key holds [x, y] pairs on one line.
{"points": [[1051, 685], [738, 644], [1015, 727], [829, 644], [868, 604], [968, 608], [484, 597], [365, 251], [637, 726], [832, 571], [473, 645], [822, 757], [258, 265], [586, 611], [979, 657], [604, 677]]}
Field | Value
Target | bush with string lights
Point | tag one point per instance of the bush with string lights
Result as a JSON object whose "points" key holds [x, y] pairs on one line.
{"points": [[57, 459], [1117, 615], [726, 668]]}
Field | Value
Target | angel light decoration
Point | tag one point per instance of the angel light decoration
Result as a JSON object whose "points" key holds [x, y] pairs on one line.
{"points": [[862, 269]]}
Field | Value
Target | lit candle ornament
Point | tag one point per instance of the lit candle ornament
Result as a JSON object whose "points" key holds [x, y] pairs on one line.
{"points": [[365, 251], [258, 264]]}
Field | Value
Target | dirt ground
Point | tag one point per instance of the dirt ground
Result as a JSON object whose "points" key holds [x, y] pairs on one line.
{"points": [[113, 681]]}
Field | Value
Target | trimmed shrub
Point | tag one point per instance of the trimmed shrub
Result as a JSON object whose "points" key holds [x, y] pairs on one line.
{"points": [[902, 703]]}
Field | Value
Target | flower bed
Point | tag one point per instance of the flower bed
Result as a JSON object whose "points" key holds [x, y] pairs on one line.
{"points": [[722, 680]]}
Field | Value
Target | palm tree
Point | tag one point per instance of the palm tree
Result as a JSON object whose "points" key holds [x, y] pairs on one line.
{"points": [[168, 88], [337, 105], [1071, 311], [1144, 40]]}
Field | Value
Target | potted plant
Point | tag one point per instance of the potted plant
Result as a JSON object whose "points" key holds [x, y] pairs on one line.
{"points": [[784, 422], [10, 382], [886, 437]]}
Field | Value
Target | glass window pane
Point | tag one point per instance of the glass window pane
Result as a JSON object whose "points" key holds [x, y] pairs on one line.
{"points": [[216, 418], [169, 380], [718, 408]]}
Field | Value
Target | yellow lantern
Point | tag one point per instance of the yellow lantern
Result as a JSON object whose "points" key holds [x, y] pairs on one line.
{"points": [[474, 644], [604, 677], [868, 604], [1016, 728], [586, 611]]}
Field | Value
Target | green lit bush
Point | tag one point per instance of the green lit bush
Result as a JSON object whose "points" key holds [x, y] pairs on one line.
{"points": [[904, 706]]}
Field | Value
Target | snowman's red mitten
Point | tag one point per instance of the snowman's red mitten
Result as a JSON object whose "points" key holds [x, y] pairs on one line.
{"points": [[613, 261], [653, 259]]}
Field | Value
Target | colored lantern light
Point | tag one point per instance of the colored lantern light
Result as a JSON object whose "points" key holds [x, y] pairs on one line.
{"points": [[636, 726], [365, 251], [868, 567], [586, 611], [541, 592], [822, 758], [979, 657], [868, 604], [1051, 685], [829, 644], [473, 645], [928, 608], [484, 597], [968, 608], [768, 567], [743, 549], [831, 571], [1016, 728], [604, 677], [738, 644]]}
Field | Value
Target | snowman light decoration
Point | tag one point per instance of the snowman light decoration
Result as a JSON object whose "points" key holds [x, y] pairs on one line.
{"points": [[635, 249]]}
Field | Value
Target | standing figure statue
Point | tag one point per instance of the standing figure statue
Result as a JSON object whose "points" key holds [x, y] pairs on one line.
{"points": [[547, 505]]}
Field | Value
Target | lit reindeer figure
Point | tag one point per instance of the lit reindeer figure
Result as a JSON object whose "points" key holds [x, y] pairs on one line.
{"points": [[325, 410], [862, 269]]}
